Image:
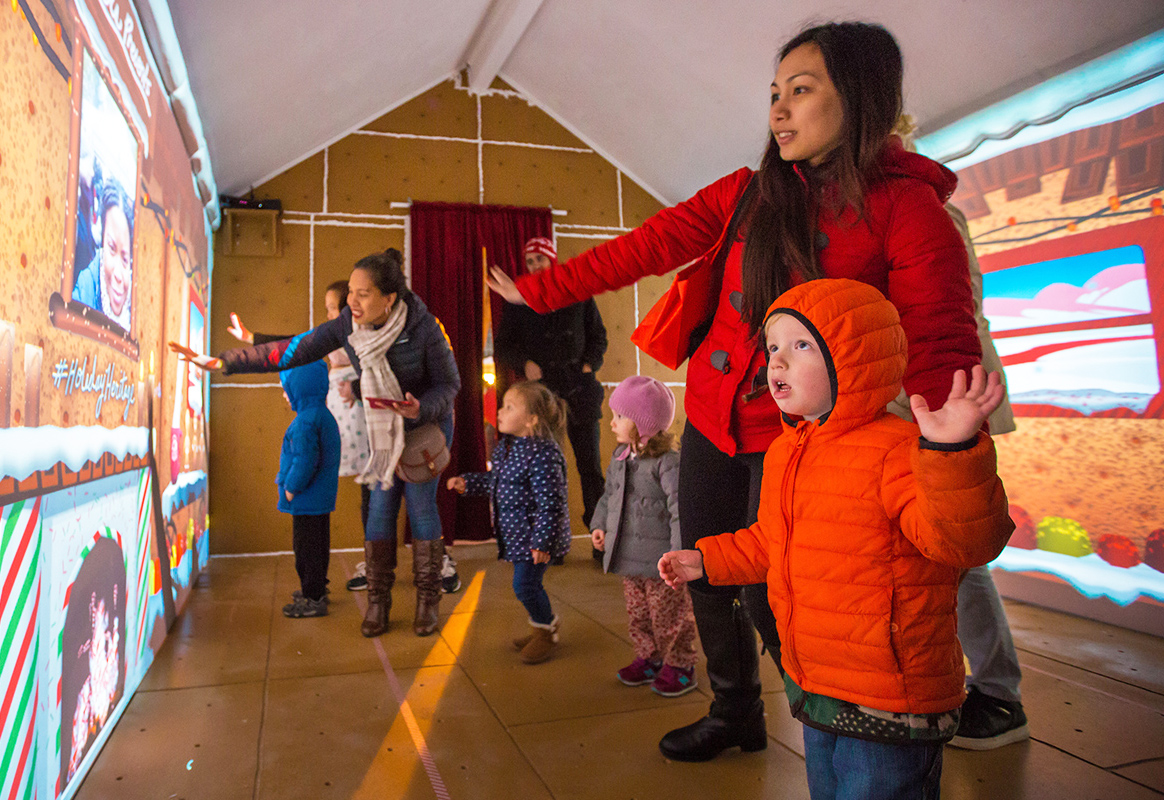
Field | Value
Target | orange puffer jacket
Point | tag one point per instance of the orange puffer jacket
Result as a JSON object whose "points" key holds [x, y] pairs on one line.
{"points": [[864, 529]]}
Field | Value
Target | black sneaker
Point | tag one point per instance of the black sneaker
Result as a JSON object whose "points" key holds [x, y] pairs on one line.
{"points": [[304, 607], [295, 595], [359, 582], [450, 580], [988, 722]]}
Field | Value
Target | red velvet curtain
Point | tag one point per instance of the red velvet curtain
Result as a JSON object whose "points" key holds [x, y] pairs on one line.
{"points": [[447, 273]]}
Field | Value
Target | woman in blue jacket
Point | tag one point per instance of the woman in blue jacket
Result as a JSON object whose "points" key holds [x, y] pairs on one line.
{"points": [[401, 354]]}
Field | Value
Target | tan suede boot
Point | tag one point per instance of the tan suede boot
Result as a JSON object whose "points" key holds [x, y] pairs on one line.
{"points": [[542, 642], [427, 558], [380, 563]]}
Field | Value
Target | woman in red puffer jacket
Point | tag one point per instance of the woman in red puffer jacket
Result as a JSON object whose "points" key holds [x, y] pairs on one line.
{"points": [[835, 196]]}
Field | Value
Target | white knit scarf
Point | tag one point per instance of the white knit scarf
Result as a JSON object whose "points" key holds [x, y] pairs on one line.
{"points": [[385, 427]]}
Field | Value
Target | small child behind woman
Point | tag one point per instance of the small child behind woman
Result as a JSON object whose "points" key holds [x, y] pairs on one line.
{"points": [[530, 518], [635, 523]]}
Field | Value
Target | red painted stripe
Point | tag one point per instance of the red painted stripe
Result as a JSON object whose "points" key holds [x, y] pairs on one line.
{"points": [[1035, 353], [1091, 324], [21, 658], [18, 559], [23, 762]]}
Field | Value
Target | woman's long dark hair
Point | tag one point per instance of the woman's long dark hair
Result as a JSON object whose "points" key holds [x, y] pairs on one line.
{"points": [[864, 64]]}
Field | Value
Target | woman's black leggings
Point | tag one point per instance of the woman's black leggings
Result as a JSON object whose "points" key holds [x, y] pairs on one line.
{"points": [[719, 493]]}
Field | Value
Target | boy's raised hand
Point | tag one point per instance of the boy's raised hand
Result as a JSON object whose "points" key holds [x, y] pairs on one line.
{"points": [[964, 411], [680, 566], [239, 331]]}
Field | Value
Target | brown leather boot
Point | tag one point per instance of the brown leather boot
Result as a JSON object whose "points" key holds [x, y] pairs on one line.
{"points": [[427, 558], [542, 642], [380, 563]]}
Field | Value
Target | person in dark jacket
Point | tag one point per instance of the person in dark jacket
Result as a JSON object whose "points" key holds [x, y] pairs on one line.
{"points": [[408, 378], [308, 480], [563, 350]]}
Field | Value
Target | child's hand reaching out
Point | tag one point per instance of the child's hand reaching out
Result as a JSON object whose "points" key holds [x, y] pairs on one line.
{"points": [[598, 539], [965, 409], [456, 484], [680, 566]]}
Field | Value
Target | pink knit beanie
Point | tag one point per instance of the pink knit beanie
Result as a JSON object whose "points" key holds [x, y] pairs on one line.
{"points": [[646, 402]]}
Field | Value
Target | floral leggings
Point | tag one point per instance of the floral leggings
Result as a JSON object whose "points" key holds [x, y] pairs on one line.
{"points": [[662, 624]]}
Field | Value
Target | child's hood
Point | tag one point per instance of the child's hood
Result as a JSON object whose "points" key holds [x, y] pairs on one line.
{"points": [[860, 334], [305, 386]]}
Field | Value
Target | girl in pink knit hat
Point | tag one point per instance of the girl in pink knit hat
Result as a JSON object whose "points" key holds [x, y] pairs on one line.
{"points": [[637, 520]]}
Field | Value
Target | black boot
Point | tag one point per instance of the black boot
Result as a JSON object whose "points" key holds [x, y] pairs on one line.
{"points": [[736, 718]]}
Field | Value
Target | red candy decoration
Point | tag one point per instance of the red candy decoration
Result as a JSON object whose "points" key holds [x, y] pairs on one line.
{"points": [[1154, 550], [1024, 535], [1117, 550]]}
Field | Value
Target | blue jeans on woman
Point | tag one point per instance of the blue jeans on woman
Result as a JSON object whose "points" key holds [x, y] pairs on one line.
{"points": [[423, 514], [527, 585], [846, 768]]}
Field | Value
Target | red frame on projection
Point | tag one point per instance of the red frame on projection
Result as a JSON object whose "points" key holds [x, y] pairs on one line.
{"points": [[1147, 234]]}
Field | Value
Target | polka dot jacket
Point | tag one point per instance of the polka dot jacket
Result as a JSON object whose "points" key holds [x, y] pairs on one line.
{"points": [[528, 488]]}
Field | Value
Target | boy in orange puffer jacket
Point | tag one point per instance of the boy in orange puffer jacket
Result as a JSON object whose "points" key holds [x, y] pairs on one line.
{"points": [[863, 533]]}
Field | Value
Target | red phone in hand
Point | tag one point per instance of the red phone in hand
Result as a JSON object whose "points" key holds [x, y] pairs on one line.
{"points": [[385, 402]]}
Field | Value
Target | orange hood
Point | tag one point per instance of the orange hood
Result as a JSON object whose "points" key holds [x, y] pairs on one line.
{"points": [[860, 335]]}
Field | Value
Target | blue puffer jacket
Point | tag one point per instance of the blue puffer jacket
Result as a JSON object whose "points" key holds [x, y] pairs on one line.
{"points": [[309, 462], [528, 487], [421, 357]]}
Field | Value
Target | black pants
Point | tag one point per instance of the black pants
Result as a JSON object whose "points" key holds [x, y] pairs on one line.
{"points": [[584, 414], [311, 541], [719, 493]]}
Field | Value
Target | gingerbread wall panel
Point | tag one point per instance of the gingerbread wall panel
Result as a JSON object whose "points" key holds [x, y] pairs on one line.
{"points": [[367, 173], [584, 184]]}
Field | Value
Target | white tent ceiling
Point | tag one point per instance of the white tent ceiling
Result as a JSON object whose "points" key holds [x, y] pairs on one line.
{"points": [[672, 91]]}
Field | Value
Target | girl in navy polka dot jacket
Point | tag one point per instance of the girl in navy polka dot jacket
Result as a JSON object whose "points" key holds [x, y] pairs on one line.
{"points": [[528, 487]]}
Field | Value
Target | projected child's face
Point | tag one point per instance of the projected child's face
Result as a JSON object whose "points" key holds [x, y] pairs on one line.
{"points": [[115, 259], [797, 376]]}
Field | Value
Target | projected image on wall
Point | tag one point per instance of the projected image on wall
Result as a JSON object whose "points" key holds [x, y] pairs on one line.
{"points": [[1075, 332], [107, 174]]}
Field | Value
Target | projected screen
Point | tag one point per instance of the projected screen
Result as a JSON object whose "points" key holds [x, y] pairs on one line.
{"points": [[103, 268], [1075, 332]]}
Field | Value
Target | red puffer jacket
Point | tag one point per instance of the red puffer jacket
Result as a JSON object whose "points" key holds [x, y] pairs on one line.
{"points": [[864, 529], [905, 245]]}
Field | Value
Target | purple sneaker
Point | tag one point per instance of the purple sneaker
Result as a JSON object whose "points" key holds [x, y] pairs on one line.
{"points": [[638, 672], [674, 681]]}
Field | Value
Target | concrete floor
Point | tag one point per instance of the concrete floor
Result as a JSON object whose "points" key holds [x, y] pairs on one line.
{"points": [[245, 703]]}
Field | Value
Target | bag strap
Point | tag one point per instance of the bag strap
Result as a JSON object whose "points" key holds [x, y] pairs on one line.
{"points": [[717, 264]]}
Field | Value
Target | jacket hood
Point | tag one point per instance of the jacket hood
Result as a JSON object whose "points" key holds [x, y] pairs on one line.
{"points": [[897, 162], [305, 386], [860, 334]]}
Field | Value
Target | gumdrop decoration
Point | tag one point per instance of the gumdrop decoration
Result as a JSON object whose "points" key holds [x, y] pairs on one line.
{"points": [[1118, 550], [1024, 529], [1154, 550], [1064, 536]]}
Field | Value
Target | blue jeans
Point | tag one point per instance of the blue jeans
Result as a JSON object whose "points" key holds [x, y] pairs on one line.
{"points": [[845, 768], [527, 585], [420, 500]]}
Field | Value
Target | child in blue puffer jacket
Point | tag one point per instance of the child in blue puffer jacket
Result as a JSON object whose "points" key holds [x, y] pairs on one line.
{"points": [[308, 480]]}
